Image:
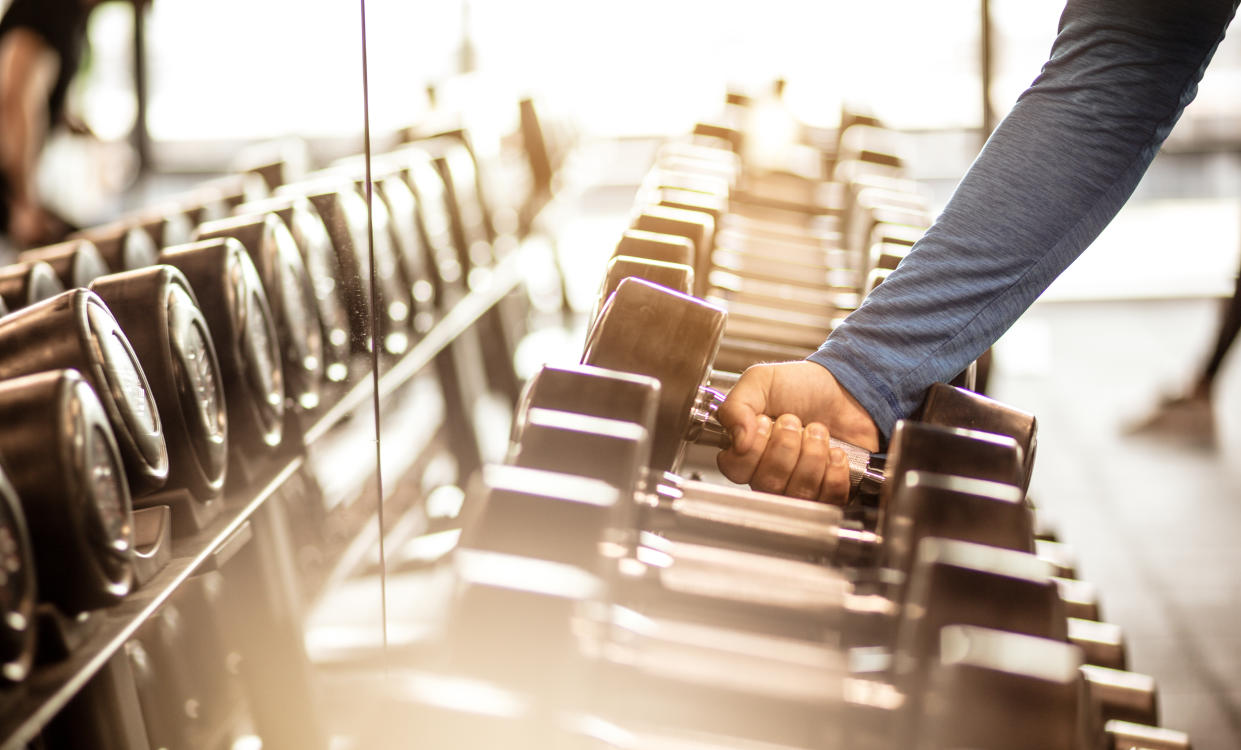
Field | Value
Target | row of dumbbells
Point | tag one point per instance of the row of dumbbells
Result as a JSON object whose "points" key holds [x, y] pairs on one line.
{"points": [[592, 582], [150, 363], [787, 271]]}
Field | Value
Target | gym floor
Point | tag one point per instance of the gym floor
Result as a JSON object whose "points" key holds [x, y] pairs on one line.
{"points": [[1154, 519]]}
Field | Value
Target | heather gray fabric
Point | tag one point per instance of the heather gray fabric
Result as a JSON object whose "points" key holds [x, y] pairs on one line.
{"points": [[1049, 179]]}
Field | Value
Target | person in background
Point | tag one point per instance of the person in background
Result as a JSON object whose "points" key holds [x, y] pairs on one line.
{"points": [[1190, 415], [41, 45], [1051, 176]]}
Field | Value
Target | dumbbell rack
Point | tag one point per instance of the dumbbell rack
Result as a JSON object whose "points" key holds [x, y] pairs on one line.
{"points": [[26, 709]]}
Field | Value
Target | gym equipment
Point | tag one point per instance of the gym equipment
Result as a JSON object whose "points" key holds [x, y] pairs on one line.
{"points": [[17, 587], [65, 468], [288, 289], [344, 215], [230, 295], [76, 330], [319, 258], [157, 309], [124, 245], [23, 284], [76, 262]]}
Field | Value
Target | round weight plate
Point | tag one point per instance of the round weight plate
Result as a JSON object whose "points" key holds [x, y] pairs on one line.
{"points": [[199, 385], [260, 357], [651, 330], [127, 386], [17, 587]]}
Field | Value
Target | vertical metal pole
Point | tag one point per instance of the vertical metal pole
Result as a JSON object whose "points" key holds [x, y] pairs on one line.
{"points": [[140, 137], [985, 68]]}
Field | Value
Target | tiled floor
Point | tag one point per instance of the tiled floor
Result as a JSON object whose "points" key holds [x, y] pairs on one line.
{"points": [[1155, 522]]}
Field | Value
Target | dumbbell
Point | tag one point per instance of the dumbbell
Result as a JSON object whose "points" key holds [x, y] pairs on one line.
{"points": [[230, 295], [745, 320], [59, 452], [166, 224], [434, 220], [288, 289], [397, 217], [344, 215], [23, 284], [124, 245], [219, 197], [415, 257], [157, 309], [650, 330], [809, 244], [454, 158], [17, 587], [1059, 710], [319, 259], [927, 504], [75, 329], [686, 674], [76, 262]]}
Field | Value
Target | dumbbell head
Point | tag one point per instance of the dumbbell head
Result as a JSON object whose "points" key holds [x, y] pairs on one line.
{"points": [[695, 226], [677, 277], [650, 330], [960, 583], [319, 257], [409, 243], [160, 315], [927, 504], [344, 216], [76, 330], [76, 262], [919, 446], [593, 391], [607, 449], [17, 587], [667, 248], [123, 245], [230, 294], [23, 284], [501, 600], [1003, 691], [543, 514], [64, 465], [271, 246], [166, 225], [957, 407]]}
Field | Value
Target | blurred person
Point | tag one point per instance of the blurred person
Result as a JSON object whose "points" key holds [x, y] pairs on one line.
{"points": [[1052, 175], [41, 46], [1190, 414]]}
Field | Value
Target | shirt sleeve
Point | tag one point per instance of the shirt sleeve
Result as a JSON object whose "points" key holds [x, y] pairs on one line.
{"points": [[1049, 179]]}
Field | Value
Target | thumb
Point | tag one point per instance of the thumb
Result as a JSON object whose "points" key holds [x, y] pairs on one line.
{"points": [[739, 412]]}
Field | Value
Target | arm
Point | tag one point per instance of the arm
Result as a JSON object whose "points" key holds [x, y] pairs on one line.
{"points": [[1050, 178], [28, 70]]}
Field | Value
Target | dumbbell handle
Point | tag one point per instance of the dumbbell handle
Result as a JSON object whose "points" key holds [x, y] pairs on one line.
{"points": [[705, 429]]}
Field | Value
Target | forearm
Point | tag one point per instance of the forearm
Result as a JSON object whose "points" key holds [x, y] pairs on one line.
{"points": [[28, 70], [1050, 178]]}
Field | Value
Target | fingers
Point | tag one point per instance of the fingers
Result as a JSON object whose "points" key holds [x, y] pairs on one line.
{"points": [[739, 466], [835, 486], [740, 411], [812, 463], [780, 459]]}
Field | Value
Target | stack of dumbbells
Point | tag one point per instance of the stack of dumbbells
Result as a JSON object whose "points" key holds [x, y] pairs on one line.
{"points": [[606, 597], [158, 376]]}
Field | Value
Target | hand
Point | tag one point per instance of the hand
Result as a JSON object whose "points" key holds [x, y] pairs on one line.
{"points": [[791, 454]]}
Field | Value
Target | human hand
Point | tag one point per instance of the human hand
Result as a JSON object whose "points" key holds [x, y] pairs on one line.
{"points": [[791, 454]]}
